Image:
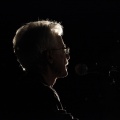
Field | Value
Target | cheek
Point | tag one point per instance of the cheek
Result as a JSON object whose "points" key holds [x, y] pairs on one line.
{"points": [[60, 63], [62, 60]]}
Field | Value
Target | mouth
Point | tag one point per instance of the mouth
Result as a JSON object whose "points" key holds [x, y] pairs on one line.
{"points": [[66, 67]]}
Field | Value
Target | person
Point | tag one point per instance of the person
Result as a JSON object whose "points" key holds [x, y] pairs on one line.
{"points": [[43, 57]]}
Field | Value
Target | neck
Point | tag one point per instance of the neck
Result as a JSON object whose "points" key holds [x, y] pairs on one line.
{"points": [[49, 79]]}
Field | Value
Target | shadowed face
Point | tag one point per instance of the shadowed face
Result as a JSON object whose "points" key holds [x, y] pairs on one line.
{"points": [[60, 59]]}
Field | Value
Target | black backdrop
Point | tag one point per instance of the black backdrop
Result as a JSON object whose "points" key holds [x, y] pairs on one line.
{"points": [[91, 30]]}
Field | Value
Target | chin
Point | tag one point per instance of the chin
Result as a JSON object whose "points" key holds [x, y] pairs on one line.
{"points": [[64, 74]]}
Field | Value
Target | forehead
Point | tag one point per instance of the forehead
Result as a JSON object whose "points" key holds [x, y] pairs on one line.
{"points": [[60, 42]]}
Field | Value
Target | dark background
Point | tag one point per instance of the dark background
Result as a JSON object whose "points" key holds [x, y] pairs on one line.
{"points": [[92, 31]]}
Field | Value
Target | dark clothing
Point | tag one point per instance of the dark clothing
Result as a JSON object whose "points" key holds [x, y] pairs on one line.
{"points": [[34, 100]]}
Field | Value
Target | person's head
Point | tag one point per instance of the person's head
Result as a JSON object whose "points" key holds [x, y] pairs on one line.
{"points": [[39, 45]]}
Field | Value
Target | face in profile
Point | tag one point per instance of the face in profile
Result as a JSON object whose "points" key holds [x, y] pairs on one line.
{"points": [[60, 59]]}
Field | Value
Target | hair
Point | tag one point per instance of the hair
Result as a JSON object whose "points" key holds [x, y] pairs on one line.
{"points": [[33, 38]]}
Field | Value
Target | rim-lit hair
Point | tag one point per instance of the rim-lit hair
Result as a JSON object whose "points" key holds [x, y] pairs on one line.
{"points": [[33, 38]]}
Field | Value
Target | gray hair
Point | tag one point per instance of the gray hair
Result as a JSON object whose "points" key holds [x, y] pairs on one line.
{"points": [[33, 38]]}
